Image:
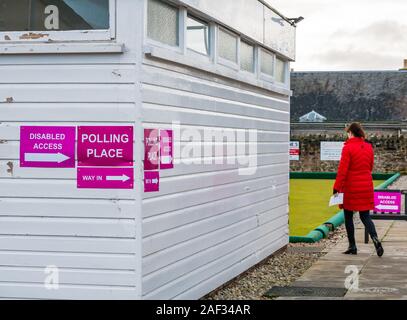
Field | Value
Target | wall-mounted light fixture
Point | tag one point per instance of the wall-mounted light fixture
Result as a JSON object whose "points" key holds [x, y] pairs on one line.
{"points": [[295, 21]]}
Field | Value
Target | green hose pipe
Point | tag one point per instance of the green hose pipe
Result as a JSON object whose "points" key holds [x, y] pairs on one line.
{"points": [[337, 220], [324, 230], [312, 237]]}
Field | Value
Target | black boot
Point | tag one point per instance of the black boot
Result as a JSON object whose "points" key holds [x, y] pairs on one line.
{"points": [[352, 250], [378, 246]]}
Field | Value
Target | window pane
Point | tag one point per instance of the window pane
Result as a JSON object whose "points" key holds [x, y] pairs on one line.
{"points": [[44, 15], [280, 70], [198, 36], [227, 46], [246, 57], [267, 63], [162, 22]]}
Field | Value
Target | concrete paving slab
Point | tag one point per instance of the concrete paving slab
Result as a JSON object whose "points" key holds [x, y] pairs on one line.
{"points": [[324, 278], [320, 284], [365, 297], [367, 282], [379, 278], [350, 258], [309, 298], [331, 265]]}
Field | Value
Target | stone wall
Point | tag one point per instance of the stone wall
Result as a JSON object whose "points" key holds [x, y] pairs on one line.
{"points": [[390, 152], [350, 96]]}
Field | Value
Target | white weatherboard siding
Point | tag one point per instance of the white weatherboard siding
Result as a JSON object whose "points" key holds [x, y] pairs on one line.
{"points": [[208, 224], [92, 236]]}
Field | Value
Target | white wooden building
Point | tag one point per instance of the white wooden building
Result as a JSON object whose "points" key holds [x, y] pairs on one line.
{"points": [[146, 64]]}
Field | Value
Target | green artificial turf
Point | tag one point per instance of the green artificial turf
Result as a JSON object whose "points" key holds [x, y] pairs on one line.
{"points": [[309, 200]]}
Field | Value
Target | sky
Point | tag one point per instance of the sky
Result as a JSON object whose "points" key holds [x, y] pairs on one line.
{"points": [[348, 34]]}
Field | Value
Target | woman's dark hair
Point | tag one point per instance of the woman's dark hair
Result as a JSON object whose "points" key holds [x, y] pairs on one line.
{"points": [[357, 130]]}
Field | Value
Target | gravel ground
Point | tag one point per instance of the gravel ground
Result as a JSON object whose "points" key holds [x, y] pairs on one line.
{"points": [[280, 270]]}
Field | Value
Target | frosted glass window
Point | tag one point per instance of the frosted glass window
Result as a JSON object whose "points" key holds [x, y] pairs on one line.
{"points": [[227, 46], [267, 63], [198, 36], [280, 70], [246, 57], [54, 15], [162, 22]]}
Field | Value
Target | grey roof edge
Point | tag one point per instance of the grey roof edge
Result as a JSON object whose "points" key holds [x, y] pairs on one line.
{"points": [[352, 71]]}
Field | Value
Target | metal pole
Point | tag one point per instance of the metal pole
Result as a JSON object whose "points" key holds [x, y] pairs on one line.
{"points": [[405, 202]]}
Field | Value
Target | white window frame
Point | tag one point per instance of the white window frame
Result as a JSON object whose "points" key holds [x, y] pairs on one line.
{"points": [[187, 50], [286, 70], [61, 36], [225, 62], [253, 73], [264, 76], [180, 48], [213, 63]]}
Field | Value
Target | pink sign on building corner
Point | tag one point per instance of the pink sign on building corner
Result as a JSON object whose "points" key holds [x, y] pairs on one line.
{"points": [[387, 202], [47, 147], [105, 178], [107, 146], [151, 149], [105, 157], [152, 181], [167, 149]]}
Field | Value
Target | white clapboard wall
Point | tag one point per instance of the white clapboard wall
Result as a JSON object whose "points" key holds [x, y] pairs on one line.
{"points": [[92, 236], [209, 224]]}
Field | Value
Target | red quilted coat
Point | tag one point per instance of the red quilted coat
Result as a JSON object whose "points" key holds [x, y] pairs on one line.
{"points": [[355, 175]]}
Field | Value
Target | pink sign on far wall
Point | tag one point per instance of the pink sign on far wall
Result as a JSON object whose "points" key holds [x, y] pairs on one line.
{"points": [[105, 178], [387, 202], [105, 146], [47, 147], [151, 149], [151, 181], [167, 149]]}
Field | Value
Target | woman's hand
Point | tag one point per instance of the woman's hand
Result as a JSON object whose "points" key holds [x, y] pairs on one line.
{"points": [[335, 191]]}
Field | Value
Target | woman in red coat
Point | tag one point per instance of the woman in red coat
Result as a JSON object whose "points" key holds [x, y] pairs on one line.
{"points": [[355, 181]]}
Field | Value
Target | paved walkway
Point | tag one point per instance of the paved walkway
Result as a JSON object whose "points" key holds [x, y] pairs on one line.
{"points": [[379, 278]]}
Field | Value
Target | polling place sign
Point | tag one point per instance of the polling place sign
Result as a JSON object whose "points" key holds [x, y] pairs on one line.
{"points": [[151, 181], [151, 149], [105, 157], [105, 178], [109, 146], [47, 147], [166, 149]]}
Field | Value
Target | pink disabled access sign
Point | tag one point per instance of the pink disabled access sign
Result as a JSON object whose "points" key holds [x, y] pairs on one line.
{"points": [[167, 149], [388, 202], [105, 178], [47, 147], [109, 146], [151, 181]]}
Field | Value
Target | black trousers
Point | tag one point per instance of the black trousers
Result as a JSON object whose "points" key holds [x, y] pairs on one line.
{"points": [[366, 220]]}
